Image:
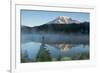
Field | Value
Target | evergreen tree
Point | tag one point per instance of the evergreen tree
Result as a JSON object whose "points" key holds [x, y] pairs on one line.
{"points": [[43, 54], [59, 58]]}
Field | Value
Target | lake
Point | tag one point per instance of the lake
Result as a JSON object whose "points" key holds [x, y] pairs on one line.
{"points": [[57, 44]]}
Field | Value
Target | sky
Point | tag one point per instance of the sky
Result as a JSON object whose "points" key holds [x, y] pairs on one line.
{"points": [[38, 17]]}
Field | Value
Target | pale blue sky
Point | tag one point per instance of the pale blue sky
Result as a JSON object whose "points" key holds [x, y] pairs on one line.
{"points": [[35, 18]]}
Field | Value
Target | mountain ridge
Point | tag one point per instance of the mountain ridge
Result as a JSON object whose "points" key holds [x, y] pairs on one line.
{"points": [[60, 24]]}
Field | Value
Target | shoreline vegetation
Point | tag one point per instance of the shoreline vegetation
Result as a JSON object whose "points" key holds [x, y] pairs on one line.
{"points": [[82, 28]]}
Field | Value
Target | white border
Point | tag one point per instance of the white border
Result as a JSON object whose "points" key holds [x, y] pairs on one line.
{"points": [[16, 66]]}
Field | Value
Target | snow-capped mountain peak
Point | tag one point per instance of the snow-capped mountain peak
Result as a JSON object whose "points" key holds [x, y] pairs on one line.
{"points": [[63, 20]]}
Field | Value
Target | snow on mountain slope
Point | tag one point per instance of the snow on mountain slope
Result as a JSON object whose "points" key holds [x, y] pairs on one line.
{"points": [[63, 20]]}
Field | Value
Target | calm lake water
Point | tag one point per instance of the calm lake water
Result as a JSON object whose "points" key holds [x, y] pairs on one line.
{"points": [[30, 44]]}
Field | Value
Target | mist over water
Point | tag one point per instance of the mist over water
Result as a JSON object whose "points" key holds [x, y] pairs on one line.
{"points": [[56, 44]]}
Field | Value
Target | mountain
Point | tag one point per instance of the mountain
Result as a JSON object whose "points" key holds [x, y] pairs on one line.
{"points": [[63, 20], [61, 24]]}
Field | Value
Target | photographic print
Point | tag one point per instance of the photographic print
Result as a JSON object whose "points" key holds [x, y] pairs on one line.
{"points": [[48, 36]]}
